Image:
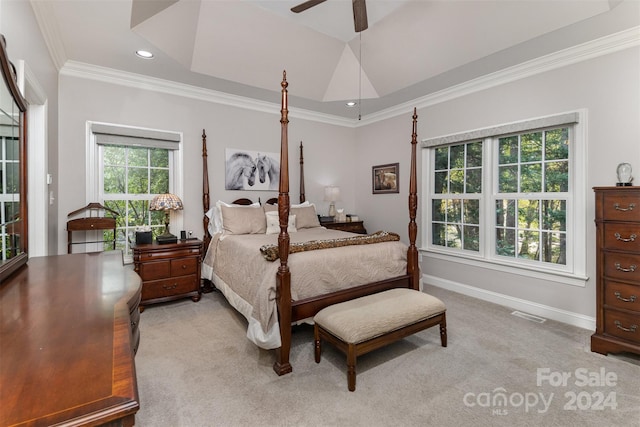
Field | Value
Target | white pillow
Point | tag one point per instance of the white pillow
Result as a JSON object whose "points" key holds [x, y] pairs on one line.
{"points": [[273, 223], [215, 216], [302, 205]]}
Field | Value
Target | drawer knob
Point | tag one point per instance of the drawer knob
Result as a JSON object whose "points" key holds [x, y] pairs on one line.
{"points": [[631, 268], [622, 239], [617, 207], [169, 287], [632, 298], [184, 266], [630, 329]]}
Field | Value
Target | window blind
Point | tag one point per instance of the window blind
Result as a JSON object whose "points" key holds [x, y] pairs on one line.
{"points": [[119, 135], [543, 122]]}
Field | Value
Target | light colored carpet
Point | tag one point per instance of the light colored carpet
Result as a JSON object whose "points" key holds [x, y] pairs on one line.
{"points": [[195, 367]]}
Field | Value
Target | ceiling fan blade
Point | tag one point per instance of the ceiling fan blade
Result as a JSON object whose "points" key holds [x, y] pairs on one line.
{"points": [[306, 5], [360, 15]]}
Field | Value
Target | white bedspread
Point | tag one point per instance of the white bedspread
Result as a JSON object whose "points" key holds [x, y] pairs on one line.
{"points": [[236, 266]]}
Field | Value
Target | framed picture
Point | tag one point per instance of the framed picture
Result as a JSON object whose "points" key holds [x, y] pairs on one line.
{"points": [[251, 170], [385, 178]]}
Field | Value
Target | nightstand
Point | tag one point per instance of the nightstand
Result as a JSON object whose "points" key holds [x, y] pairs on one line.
{"points": [[168, 271], [352, 226]]}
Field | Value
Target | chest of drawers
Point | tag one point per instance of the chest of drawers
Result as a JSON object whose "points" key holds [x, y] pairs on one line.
{"points": [[168, 271], [617, 270]]}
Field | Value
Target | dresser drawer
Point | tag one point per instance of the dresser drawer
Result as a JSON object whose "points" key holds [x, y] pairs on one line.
{"points": [[623, 206], [155, 270], [184, 266], [622, 266], [622, 295], [622, 325], [622, 236], [169, 287]]}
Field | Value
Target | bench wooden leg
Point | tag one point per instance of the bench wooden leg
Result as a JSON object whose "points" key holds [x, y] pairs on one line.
{"points": [[316, 335], [351, 367], [443, 330]]}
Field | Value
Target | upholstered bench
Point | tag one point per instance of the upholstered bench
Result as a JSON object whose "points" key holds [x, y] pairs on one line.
{"points": [[364, 324]]}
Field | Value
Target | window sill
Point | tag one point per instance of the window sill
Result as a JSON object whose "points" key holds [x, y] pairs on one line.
{"points": [[522, 270]]}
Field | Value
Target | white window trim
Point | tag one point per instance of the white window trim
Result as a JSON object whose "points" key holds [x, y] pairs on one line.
{"points": [[176, 183], [577, 186]]}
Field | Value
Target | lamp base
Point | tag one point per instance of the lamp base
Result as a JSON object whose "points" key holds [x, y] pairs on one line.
{"points": [[166, 238], [623, 184]]}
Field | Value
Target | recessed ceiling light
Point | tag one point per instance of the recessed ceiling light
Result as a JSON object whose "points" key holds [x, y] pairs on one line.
{"points": [[351, 104], [144, 54]]}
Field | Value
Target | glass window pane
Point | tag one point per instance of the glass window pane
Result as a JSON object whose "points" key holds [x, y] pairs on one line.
{"points": [[471, 211], [531, 147], [456, 153], [159, 181], [556, 177], [138, 156], [454, 239], [528, 214], [531, 178], [137, 213], [506, 213], [159, 158], [528, 245], [505, 242], [13, 150], [138, 181], [554, 248], [438, 209], [472, 238], [114, 155], [508, 150], [554, 215], [454, 211], [508, 179], [456, 182], [114, 180], [557, 144], [474, 154], [442, 158], [474, 181], [438, 234], [441, 182]]}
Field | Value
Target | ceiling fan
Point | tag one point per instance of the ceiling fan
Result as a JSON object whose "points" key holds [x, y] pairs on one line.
{"points": [[359, 12]]}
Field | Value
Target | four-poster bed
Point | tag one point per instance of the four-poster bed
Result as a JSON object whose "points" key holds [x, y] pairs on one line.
{"points": [[396, 264]]}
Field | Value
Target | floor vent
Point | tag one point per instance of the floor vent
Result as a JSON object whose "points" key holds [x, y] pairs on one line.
{"points": [[528, 316]]}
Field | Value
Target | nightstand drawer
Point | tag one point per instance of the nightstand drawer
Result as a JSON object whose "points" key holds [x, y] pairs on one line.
{"points": [[169, 287], [184, 266], [155, 270]]}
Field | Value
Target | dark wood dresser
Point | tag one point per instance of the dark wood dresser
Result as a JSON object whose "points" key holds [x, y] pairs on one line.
{"points": [[617, 270], [168, 271], [69, 331], [351, 226]]}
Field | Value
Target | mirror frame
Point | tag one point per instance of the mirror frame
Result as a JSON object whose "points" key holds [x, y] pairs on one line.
{"points": [[10, 79]]}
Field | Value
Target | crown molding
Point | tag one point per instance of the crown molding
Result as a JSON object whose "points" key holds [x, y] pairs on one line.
{"points": [[50, 32], [583, 52], [593, 49]]}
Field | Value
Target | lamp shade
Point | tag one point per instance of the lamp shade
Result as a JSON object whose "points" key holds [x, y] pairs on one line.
{"points": [[331, 194], [166, 202]]}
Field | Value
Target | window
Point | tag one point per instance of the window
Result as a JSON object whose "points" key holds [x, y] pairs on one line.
{"points": [[510, 195], [9, 195], [133, 165]]}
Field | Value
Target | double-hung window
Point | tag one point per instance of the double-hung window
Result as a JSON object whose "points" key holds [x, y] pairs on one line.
{"points": [[132, 166], [509, 197]]}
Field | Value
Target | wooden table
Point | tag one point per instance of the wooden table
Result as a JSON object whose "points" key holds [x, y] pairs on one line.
{"points": [[351, 226], [66, 352]]}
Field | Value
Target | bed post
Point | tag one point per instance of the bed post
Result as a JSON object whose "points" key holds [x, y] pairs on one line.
{"points": [[283, 276], [302, 195], [413, 267], [205, 192]]}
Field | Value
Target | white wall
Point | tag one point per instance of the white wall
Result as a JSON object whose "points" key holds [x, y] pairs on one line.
{"points": [[608, 87], [329, 149]]}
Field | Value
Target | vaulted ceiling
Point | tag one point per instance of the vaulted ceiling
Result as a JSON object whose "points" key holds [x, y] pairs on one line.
{"points": [[241, 47]]}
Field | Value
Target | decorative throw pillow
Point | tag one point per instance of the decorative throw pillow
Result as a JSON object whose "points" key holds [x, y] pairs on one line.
{"points": [[243, 220], [306, 216], [215, 215], [273, 223], [270, 208]]}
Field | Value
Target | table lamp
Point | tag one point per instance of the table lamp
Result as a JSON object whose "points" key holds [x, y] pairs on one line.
{"points": [[331, 195], [166, 202]]}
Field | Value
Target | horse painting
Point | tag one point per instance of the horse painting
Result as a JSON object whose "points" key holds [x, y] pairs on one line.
{"points": [[268, 166], [239, 166]]}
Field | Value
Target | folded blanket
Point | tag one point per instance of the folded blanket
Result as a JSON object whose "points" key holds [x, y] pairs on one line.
{"points": [[270, 252]]}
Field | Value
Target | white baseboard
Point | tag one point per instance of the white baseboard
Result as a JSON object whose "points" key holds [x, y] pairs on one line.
{"points": [[548, 312]]}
